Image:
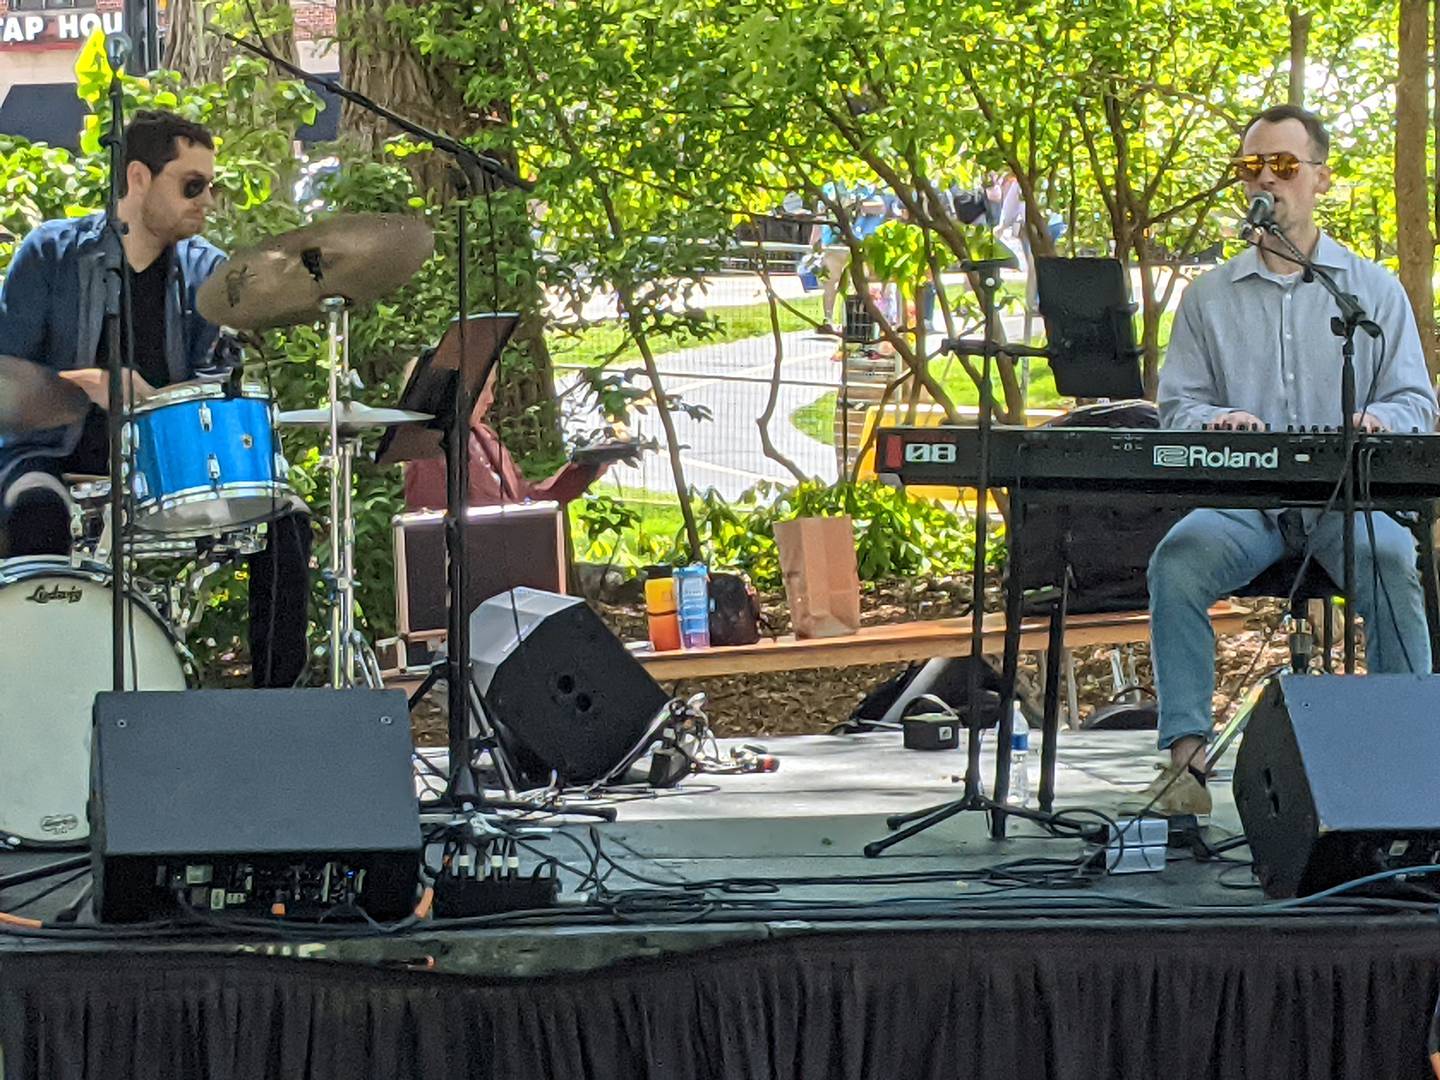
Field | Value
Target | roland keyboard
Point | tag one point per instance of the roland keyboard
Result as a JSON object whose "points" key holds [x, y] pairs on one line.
{"points": [[1203, 468]]}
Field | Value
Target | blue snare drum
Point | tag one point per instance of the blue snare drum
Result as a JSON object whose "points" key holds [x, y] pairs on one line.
{"points": [[205, 462]]}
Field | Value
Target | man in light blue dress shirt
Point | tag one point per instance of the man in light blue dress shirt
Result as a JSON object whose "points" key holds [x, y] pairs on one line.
{"points": [[1252, 345]]}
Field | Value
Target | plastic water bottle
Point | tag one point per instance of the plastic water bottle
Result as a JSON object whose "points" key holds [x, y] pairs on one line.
{"points": [[692, 602], [1019, 794]]}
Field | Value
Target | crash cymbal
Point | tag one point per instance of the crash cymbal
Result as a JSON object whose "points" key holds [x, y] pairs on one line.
{"points": [[33, 398], [354, 417], [281, 281]]}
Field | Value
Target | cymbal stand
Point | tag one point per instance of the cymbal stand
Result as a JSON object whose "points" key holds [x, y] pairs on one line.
{"points": [[350, 664]]}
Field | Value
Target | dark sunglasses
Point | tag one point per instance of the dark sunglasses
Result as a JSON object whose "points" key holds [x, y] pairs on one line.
{"points": [[1284, 165], [196, 186]]}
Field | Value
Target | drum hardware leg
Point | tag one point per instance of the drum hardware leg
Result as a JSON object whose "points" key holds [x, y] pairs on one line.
{"points": [[369, 665], [353, 658], [489, 741], [338, 584], [192, 587], [347, 665]]}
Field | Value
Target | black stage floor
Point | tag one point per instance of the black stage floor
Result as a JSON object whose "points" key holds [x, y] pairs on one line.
{"points": [[734, 929]]}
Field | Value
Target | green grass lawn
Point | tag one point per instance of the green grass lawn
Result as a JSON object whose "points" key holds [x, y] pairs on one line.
{"points": [[595, 344], [660, 523], [818, 418]]}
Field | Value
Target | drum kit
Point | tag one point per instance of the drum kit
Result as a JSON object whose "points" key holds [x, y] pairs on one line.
{"points": [[205, 476]]}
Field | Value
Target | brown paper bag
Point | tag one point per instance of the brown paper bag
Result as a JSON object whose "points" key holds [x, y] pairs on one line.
{"points": [[822, 583]]}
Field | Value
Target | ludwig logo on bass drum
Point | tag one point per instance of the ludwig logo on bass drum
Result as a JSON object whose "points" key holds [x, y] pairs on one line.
{"points": [[1199, 457], [69, 594]]}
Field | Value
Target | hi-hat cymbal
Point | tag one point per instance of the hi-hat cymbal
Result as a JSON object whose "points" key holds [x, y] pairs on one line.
{"points": [[282, 280], [354, 417], [33, 397]]}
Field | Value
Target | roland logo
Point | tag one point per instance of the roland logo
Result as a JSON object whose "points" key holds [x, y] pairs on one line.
{"points": [[1200, 457], [57, 594]]}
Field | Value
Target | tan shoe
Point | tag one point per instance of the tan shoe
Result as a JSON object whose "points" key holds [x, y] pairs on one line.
{"points": [[1173, 793]]}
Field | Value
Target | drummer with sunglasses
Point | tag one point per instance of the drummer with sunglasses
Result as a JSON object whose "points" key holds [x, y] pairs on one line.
{"points": [[1252, 345], [51, 313]]}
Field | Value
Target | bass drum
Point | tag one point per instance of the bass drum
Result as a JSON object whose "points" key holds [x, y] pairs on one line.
{"points": [[56, 658]]}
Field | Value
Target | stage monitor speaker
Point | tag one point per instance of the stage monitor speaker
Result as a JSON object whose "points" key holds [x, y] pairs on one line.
{"points": [[562, 691], [1336, 779], [253, 802]]}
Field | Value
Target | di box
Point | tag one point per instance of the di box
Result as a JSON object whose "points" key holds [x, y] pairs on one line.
{"points": [[254, 802]]}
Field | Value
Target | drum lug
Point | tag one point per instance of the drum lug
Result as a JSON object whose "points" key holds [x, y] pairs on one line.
{"points": [[129, 439], [214, 467], [206, 422], [139, 487], [282, 467]]}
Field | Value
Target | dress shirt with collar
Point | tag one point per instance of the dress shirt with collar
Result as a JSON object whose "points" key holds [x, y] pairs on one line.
{"points": [[1247, 338]]}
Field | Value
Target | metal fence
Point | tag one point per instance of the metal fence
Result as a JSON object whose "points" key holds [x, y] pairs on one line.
{"points": [[730, 385]]}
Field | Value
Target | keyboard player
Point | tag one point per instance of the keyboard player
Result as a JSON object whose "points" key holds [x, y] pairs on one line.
{"points": [[1252, 344]]}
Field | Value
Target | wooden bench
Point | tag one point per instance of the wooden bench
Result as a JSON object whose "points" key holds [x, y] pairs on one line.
{"points": [[902, 642]]}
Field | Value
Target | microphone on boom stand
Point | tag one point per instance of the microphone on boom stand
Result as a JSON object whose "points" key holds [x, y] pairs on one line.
{"points": [[118, 49], [1260, 217], [1262, 212]]}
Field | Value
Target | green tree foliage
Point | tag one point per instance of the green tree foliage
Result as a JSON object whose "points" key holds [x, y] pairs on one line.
{"points": [[253, 116], [652, 131]]}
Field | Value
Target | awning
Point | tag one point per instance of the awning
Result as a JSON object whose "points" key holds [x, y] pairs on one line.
{"points": [[53, 113], [326, 127], [44, 112]]}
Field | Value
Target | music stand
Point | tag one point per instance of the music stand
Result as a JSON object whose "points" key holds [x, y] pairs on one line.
{"points": [[431, 386], [446, 383], [1086, 307]]}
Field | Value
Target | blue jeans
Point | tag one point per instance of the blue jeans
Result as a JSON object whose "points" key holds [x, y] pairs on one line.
{"points": [[1211, 553]]}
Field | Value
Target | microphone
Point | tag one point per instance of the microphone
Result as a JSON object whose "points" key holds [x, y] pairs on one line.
{"points": [[1262, 212], [118, 48]]}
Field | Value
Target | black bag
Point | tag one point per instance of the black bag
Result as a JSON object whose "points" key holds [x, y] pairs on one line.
{"points": [[947, 678], [734, 611], [967, 205], [1110, 543]]}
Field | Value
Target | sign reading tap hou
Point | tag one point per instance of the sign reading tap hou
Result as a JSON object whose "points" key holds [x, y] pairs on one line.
{"points": [[26, 28]]}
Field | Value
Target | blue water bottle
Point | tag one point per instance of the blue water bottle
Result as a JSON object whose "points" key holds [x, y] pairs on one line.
{"points": [[692, 605]]}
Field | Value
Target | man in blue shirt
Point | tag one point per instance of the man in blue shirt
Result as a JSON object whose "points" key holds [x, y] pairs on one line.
{"points": [[1252, 345], [51, 313]]}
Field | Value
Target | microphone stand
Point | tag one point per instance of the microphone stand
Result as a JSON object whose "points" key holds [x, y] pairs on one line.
{"points": [[987, 280], [113, 261], [475, 170], [1352, 317]]}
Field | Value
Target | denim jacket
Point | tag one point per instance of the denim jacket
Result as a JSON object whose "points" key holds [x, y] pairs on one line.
{"points": [[52, 307]]}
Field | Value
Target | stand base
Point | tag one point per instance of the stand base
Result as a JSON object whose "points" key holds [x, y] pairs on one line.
{"points": [[917, 821], [463, 780]]}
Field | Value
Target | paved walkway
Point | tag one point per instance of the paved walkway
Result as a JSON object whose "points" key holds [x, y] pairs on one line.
{"points": [[731, 380]]}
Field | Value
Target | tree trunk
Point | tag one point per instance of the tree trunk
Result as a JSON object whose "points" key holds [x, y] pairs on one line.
{"points": [[1435, 111], [1299, 46], [767, 444], [201, 56], [1415, 243], [378, 59]]}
